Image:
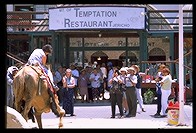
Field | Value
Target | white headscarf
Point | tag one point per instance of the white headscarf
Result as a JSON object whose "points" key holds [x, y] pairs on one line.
{"points": [[11, 69]]}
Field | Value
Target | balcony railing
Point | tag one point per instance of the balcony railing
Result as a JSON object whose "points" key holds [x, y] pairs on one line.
{"points": [[159, 23]]}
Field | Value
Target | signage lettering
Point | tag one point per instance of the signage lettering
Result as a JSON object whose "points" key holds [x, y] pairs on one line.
{"points": [[69, 23], [96, 18], [95, 13]]}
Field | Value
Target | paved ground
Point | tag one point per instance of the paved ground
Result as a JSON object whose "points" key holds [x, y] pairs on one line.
{"points": [[97, 115]]}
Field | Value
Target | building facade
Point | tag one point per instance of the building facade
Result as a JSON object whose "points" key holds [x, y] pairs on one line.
{"points": [[123, 34]]}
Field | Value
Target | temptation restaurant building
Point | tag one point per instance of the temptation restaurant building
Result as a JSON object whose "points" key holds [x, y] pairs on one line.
{"points": [[123, 34]]}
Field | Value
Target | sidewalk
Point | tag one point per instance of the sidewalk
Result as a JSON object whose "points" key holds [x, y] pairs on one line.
{"points": [[97, 115]]}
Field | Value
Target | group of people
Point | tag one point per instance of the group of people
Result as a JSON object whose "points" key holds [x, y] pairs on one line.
{"points": [[125, 91], [124, 85], [163, 88]]}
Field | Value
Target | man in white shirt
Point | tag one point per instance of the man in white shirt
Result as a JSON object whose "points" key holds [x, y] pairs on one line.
{"points": [[130, 83]]}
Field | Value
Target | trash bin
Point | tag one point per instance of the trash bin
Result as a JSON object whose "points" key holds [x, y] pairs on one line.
{"points": [[173, 113]]}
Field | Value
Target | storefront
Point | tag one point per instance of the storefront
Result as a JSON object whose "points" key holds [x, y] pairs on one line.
{"points": [[102, 34], [123, 34]]}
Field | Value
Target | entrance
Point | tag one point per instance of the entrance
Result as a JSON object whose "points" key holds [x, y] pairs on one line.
{"points": [[104, 57], [157, 58], [116, 62], [157, 54], [99, 57]]}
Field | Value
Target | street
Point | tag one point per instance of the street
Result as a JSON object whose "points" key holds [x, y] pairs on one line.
{"points": [[97, 115]]}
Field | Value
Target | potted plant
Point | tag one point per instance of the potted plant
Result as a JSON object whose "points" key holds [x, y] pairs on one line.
{"points": [[149, 96]]}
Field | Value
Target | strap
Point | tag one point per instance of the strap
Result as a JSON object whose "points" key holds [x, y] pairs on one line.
{"points": [[43, 73]]}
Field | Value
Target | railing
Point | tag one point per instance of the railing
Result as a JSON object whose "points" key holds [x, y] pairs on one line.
{"points": [[189, 64], [153, 68], [187, 69], [188, 81], [157, 22], [17, 51], [153, 65], [15, 58]]}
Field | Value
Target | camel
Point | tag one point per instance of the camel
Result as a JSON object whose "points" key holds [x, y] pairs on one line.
{"points": [[30, 85]]}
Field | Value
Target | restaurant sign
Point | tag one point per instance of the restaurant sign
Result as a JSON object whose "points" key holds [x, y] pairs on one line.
{"points": [[97, 18]]}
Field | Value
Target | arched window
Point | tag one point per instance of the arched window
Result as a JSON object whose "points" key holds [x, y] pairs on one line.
{"points": [[157, 54]]}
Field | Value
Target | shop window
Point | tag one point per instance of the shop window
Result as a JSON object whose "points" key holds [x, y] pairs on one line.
{"points": [[158, 48], [75, 42], [133, 42], [76, 58], [157, 54], [23, 8], [105, 42]]}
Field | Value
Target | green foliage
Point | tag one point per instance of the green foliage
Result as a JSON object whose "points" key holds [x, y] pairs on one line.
{"points": [[149, 96]]}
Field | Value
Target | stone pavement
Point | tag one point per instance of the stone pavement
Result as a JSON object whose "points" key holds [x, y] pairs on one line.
{"points": [[97, 116]]}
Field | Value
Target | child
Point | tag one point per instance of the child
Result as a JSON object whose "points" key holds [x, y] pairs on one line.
{"points": [[158, 87], [158, 91]]}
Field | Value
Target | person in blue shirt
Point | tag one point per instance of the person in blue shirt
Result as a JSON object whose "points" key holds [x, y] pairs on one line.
{"points": [[109, 75], [158, 91]]}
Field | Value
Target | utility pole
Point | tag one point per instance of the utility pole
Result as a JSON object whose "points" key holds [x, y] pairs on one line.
{"points": [[181, 68]]}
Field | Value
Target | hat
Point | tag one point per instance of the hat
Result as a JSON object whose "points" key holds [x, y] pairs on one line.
{"points": [[68, 70], [123, 69], [131, 68], [136, 67]]}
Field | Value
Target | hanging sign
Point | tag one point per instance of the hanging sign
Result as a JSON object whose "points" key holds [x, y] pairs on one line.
{"points": [[97, 18]]}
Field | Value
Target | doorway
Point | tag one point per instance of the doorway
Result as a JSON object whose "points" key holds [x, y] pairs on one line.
{"points": [[105, 57], [99, 57]]}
